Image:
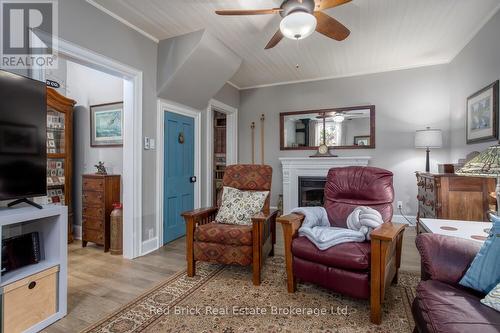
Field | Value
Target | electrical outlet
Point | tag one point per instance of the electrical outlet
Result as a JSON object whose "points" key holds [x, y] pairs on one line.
{"points": [[146, 143], [400, 204]]}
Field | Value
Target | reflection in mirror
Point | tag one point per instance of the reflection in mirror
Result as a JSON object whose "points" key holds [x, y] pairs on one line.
{"points": [[345, 127]]}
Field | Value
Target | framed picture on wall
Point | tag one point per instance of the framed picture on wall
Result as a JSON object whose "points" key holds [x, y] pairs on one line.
{"points": [[482, 115], [362, 140], [106, 125]]}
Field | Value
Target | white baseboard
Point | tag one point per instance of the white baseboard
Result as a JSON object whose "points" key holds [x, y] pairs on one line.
{"points": [[401, 219], [149, 246], [77, 232]]}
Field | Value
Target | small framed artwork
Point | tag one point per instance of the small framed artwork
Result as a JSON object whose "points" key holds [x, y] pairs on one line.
{"points": [[106, 125], [362, 140], [482, 115]]}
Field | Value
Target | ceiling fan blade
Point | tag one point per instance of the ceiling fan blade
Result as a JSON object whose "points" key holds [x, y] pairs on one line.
{"points": [[325, 4], [278, 36], [248, 11], [330, 27]]}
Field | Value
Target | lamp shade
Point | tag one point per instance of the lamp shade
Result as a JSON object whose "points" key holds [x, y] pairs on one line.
{"points": [[298, 25], [428, 138], [486, 164]]}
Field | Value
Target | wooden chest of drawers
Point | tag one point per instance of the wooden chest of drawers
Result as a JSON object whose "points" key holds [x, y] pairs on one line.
{"points": [[453, 197], [99, 192]]}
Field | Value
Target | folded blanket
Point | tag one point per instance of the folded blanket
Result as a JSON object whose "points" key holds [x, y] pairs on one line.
{"points": [[317, 229], [316, 226]]}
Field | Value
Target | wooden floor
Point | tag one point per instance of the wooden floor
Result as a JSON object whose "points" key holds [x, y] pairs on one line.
{"points": [[99, 283]]}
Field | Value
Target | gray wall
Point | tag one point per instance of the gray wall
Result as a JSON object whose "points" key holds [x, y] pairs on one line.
{"points": [[228, 95], [477, 66], [405, 101], [84, 25]]}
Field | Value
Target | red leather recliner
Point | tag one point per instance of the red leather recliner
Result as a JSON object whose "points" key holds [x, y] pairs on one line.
{"points": [[359, 270]]}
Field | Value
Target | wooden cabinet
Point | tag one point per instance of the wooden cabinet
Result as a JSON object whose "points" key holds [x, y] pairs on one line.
{"points": [[99, 192], [60, 153], [453, 197]]}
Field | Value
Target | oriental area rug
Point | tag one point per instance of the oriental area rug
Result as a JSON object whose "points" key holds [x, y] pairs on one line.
{"points": [[223, 299]]}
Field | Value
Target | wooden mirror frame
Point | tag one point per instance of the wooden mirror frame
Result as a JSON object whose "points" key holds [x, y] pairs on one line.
{"points": [[344, 109]]}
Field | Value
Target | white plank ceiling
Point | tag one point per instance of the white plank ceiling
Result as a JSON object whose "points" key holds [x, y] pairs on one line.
{"points": [[385, 34]]}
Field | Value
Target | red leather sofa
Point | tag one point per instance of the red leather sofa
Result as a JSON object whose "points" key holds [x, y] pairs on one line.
{"points": [[441, 304]]}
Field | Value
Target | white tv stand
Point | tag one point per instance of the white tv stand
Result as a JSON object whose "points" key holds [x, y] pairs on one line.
{"points": [[51, 224]]}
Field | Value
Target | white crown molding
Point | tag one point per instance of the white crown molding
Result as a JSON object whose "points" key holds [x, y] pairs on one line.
{"points": [[392, 69], [122, 20], [233, 85]]}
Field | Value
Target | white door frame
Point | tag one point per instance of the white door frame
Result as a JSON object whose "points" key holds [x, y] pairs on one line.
{"points": [[132, 137], [231, 142], [169, 106]]}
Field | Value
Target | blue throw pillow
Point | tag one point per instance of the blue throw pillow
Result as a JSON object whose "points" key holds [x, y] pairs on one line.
{"points": [[484, 272]]}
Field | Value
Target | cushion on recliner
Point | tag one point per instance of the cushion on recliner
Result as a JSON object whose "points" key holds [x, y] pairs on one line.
{"points": [[229, 234], [351, 256], [440, 307]]}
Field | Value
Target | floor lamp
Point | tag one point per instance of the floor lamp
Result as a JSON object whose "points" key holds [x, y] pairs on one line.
{"points": [[428, 139]]}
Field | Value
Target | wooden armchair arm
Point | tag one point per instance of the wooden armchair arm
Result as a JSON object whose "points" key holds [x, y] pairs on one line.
{"points": [[264, 216], [386, 242], [387, 231], [291, 224], [192, 219], [200, 213]]}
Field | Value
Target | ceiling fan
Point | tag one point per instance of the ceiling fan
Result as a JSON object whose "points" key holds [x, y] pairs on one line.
{"points": [[300, 19]]}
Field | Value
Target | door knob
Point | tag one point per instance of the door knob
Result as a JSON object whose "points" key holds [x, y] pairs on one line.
{"points": [[192, 179]]}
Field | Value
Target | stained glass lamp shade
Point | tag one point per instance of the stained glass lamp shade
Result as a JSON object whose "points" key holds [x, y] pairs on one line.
{"points": [[486, 164]]}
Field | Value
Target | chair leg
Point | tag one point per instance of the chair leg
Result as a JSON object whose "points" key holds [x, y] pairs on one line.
{"points": [[191, 267], [256, 274]]}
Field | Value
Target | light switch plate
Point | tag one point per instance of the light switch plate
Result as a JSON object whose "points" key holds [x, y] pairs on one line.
{"points": [[152, 144]]}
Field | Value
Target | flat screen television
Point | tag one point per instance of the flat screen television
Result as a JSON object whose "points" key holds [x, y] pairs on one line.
{"points": [[23, 132]]}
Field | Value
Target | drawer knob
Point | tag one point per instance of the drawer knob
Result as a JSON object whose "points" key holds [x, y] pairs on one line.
{"points": [[32, 285]]}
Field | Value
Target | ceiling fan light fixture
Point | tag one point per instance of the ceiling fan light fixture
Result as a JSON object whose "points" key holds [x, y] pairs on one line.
{"points": [[298, 25], [338, 118]]}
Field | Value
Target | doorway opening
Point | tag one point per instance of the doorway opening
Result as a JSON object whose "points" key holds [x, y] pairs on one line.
{"points": [[132, 137], [222, 147]]}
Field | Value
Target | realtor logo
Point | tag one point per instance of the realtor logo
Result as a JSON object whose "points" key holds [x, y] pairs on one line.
{"points": [[28, 37]]}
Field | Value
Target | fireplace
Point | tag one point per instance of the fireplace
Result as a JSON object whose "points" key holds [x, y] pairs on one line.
{"points": [[311, 191]]}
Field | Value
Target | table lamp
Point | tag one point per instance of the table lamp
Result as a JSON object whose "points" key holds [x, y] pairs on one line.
{"points": [[428, 139], [486, 164]]}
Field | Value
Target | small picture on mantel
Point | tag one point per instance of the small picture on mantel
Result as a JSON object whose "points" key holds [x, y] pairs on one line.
{"points": [[482, 115], [106, 125]]}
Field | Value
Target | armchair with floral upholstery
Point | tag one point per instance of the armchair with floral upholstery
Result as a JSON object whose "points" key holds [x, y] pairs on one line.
{"points": [[233, 244]]}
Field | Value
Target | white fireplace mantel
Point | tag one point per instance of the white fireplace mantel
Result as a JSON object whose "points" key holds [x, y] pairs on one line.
{"points": [[295, 167]]}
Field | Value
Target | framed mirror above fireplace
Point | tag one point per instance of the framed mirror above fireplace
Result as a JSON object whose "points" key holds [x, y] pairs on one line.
{"points": [[345, 128]]}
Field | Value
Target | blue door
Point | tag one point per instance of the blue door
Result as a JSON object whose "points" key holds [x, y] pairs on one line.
{"points": [[179, 170]]}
